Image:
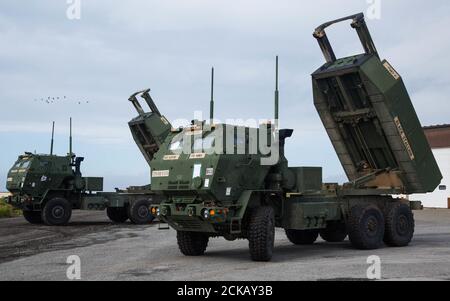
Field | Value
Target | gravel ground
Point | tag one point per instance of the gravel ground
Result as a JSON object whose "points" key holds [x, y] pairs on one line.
{"points": [[129, 252]]}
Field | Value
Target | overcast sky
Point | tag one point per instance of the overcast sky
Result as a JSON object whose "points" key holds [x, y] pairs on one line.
{"points": [[119, 47]]}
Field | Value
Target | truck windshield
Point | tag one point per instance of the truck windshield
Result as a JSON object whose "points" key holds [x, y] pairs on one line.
{"points": [[176, 145], [199, 144], [22, 164]]}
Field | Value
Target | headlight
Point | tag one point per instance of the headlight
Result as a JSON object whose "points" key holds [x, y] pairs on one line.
{"points": [[205, 213], [155, 211]]}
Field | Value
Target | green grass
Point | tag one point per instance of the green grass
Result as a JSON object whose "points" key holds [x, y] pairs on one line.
{"points": [[7, 210]]}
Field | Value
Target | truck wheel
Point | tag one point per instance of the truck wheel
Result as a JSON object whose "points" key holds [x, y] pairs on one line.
{"points": [[399, 225], [33, 217], [334, 232], [139, 212], [57, 212], [261, 233], [192, 243], [366, 227], [302, 237], [117, 214]]}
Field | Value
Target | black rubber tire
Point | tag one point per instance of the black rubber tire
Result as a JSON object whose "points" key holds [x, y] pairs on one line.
{"points": [[139, 212], [399, 229], [192, 243], [334, 232], [366, 227], [117, 214], [261, 233], [57, 212], [302, 237], [33, 217]]}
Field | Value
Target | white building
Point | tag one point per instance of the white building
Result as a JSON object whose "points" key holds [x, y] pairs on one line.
{"points": [[439, 140]]}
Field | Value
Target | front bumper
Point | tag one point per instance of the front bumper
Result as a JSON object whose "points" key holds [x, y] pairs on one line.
{"points": [[15, 200], [192, 217], [21, 202]]}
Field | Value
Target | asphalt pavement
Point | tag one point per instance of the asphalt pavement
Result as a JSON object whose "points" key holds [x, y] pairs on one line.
{"points": [[129, 252]]}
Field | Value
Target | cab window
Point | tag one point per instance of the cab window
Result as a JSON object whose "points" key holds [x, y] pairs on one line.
{"points": [[176, 145], [22, 164], [204, 143]]}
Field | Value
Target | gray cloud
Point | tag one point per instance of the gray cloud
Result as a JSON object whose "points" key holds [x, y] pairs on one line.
{"points": [[119, 47]]}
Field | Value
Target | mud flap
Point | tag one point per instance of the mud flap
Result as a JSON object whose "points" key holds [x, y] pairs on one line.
{"points": [[235, 225]]}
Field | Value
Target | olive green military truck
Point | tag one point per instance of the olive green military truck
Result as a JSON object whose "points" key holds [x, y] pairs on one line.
{"points": [[48, 187], [216, 183]]}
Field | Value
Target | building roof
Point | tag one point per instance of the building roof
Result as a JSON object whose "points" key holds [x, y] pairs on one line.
{"points": [[438, 126], [438, 136]]}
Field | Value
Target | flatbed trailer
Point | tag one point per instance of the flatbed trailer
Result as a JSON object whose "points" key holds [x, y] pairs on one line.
{"points": [[54, 205]]}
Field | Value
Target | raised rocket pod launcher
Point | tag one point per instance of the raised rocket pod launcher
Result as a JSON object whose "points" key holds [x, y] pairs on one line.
{"points": [[369, 117], [149, 129]]}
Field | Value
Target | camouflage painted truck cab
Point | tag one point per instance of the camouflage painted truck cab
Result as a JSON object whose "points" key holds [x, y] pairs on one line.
{"points": [[372, 124], [207, 181], [46, 187]]}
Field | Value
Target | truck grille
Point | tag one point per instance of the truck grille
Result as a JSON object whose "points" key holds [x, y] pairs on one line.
{"points": [[178, 185]]}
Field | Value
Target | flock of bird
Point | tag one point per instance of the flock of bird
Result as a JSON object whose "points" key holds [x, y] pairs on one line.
{"points": [[50, 100]]}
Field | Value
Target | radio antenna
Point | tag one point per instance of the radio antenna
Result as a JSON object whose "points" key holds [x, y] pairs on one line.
{"points": [[53, 135], [276, 91], [211, 104], [70, 139]]}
